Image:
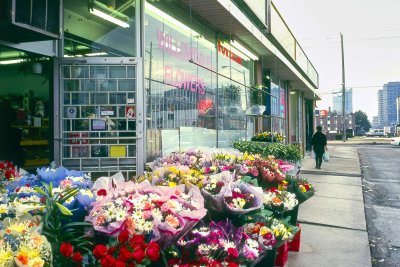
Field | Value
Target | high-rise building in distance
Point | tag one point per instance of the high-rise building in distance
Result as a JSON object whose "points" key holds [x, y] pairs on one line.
{"points": [[337, 102], [387, 104]]}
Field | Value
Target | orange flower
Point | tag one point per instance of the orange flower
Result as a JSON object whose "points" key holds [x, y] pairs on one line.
{"points": [[276, 201], [23, 258], [172, 220]]}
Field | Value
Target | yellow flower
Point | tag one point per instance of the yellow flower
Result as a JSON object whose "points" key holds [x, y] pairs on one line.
{"points": [[172, 184], [19, 227], [37, 262], [6, 255], [264, 230]]}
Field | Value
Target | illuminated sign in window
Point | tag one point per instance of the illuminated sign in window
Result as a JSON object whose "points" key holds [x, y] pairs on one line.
{"points": [[204, 106]]}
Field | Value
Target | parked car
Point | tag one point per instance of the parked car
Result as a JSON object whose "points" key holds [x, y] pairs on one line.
{"points": [[395, 141], [376, 132]]}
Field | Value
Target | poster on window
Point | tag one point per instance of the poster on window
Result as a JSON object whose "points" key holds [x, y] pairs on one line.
{"points": [[130, 112]]}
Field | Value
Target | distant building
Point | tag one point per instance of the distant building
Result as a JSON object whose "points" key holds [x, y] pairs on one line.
{"points": [[332, 123], [381, 116], [337, 102], [375, 122], [387, 104]]}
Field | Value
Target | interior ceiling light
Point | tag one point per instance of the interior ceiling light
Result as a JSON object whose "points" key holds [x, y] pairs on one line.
{"points": [[170, 19], [11, 61], [244, 50], [96, 54], [108, 17]]}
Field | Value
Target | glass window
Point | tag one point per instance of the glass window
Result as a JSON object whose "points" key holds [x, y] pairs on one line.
{"points": [[99, 28], [181, 95]]}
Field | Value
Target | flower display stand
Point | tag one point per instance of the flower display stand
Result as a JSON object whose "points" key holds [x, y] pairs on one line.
{"points": [[294, 245], [269, 259], [282, 255]]}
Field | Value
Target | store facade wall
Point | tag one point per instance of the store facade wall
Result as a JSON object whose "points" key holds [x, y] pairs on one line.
{"points": [[163, 79]]}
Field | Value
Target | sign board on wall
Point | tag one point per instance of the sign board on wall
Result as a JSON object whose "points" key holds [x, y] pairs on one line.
{"points": [[323, 113]]}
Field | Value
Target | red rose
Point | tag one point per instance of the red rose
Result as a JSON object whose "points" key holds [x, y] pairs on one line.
{"points": [[137, 239], [233, 264], [137, 246], [102, 192], [138, 255], [100, 251], [107, 261], [111, 250], [77, 257], [233, 252], [153, 251], [123, 236], [9, 174], [66, 250], [124, 254], [120, 264]]}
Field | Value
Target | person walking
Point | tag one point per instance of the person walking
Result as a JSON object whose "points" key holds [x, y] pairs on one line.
{"points": [[319, 145]]}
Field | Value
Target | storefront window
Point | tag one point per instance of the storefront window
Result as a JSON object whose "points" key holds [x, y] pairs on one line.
{"points": [[99, 28], [278, 106], [233, 83], [180, 88]]}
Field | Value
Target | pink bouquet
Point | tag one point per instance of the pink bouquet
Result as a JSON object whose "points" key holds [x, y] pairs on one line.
{"points": [[243, 198], [164, 213]]}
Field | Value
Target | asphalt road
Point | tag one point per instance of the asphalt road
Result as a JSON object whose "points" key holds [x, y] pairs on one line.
{"points": [[380, 165]]}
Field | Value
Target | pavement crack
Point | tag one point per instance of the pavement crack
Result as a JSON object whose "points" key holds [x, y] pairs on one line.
{"points": [[330, 225], [330, 173]]}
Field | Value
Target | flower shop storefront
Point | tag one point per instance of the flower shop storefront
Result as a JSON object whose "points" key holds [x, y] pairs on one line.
{"points": [[195, 83], [148, 101]]}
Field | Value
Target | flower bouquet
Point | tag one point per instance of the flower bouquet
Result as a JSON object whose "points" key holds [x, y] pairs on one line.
{"points": [[163, 214], [278, 200], [268, 171], [242, 198], [128, 250], [173, 176], [302, 189], [8, 173], [213, 190], [217, 244], [22, 244]]}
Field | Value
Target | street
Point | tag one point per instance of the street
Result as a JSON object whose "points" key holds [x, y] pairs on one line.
{"points": [[381, 184]]}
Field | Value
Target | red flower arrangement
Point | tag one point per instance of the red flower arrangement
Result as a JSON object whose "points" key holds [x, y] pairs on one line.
{"points": [[67, 251], [8, 171], [128, 251]]}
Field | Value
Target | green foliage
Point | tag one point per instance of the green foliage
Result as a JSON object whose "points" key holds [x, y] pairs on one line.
{"points": [[290, 152], [57, 226], [362, 121], [257, 95]]}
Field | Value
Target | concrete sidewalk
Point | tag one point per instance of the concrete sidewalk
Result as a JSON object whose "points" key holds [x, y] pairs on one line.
{"points": [[333, 222]]}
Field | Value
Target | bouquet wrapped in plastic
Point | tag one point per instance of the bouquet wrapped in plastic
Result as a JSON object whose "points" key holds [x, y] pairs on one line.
{"points": [[214, 189], [243, 198], [163, 213]]}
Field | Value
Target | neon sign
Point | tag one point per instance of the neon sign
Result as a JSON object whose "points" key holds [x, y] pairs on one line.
{"points": [[204, 106], [184, 80], [229, 53]]}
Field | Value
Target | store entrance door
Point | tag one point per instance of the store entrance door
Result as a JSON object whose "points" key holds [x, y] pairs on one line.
{"points": [[101, 117]]}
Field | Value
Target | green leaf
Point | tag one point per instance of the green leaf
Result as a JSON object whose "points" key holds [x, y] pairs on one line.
{"points": [[40, 191], [64, 210], [266, 213]]}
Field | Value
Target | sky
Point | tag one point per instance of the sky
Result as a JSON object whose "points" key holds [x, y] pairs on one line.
{"points": [[371, 32]]}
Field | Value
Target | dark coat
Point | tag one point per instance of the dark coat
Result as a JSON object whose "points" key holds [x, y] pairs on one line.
{"points": [[319, 142]]}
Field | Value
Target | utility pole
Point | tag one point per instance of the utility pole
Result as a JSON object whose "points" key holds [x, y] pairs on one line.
{"points": [[343, 94]]}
